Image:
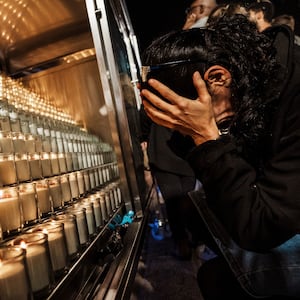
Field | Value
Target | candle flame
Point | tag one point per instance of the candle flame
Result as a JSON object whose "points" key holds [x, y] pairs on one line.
{"points": [[23, 245]]}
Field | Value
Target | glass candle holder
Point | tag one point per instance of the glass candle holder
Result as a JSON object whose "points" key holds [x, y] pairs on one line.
{"points": [[15, 123], [80, 181], [35, 166], [65, 188], [92, 178], [97, 210], [38, 144], [81, 223], [69, 162], [46, 164], [57, 245], [43, 197], [104, 211], [86, 178], [14, 280], [55, 193], [18, 142], [54, 163], [8, 174], [62, 163], [28, 202], [71, 234], [10, 210], [4, 118], [6, 144], [89, 212], [75, 161], [29, 143], [74, 185], [22, 167], [38, 261]]}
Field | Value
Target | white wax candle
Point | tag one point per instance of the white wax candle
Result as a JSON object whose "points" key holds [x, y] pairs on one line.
{"points": [[55, 192], [6, 144], [97, 211], [62, 163], [29, 205], [75, 161], [80, 182], [23, 171], [54, 164], [69, 162], [43, 196], [19, 145], [10, 214], [86, 180], [46, 166], [38, 267], [13, 282], [8, 173], [72, 238], [74, 187], [35, 168], [57, 248], [81, 225], [66, 191]]}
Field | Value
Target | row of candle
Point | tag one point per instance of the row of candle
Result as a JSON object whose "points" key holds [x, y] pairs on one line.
{"points": [[17, 168], [52, 246], [28, 202], [17, 142]]}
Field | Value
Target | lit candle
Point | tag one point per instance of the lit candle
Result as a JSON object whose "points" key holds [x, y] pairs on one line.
{"points": [[29, 143], [28, 201], [54, 163], [35, 166], [62, 163], [57, 244], [8, 173], [89, 212], [46, 164], [37, 259], [86, 180], [71, 233], [38, 144], [80, 181], [22, 167], [10, 213], [81, 222], [55, 192], [6, 144], [65, 188], [14, 283], [74, 185], [43, 196], [18, 142], [97, 210]]}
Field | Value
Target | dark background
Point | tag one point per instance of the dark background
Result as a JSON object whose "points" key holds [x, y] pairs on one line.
{"points": [[151, 19]]}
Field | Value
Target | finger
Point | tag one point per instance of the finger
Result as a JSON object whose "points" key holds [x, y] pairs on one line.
{"points": [[200, 86], [164, 91]]}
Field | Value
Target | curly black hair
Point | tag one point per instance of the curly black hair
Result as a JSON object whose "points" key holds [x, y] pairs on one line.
{"points": [[233, 42]]}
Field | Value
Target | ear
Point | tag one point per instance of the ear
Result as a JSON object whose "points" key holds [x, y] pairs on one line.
{"points": [[217, 75]]}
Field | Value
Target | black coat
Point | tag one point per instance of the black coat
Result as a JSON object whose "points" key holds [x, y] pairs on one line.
{"points": [[263, 211]]}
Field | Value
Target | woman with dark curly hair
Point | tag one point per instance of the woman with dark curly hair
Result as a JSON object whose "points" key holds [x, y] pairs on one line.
{"points": [[238, 125]]}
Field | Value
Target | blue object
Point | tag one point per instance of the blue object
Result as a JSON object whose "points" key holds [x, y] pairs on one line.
{"points": [[119, 221], [156, 231]]}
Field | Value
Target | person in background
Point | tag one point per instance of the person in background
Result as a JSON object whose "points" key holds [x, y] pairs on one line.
{"points": [[250, 172], [197, 13], [288, 20]]}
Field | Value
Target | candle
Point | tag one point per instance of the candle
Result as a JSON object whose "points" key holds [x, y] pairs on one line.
{"points": [[37, 260], [54, 163], [81, 223], [28, 202], [107, 202], [92, 178], [55, 192], [62, 163], [80, 181], [18, 142], [38, 144], [14, 282], [89, 212], [57, 244], [8, 173], [69, 162], [54, 147], [80, 160], [65, 188], [46, 144], [75, 161], [46, 164], [35, 166], [74, 185], [43, 196], [29, 143], [103, 206], [10, 213], [71, 233], [22, 167], [86, 180], [97, 210], [96, 175], [6, 144]]}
